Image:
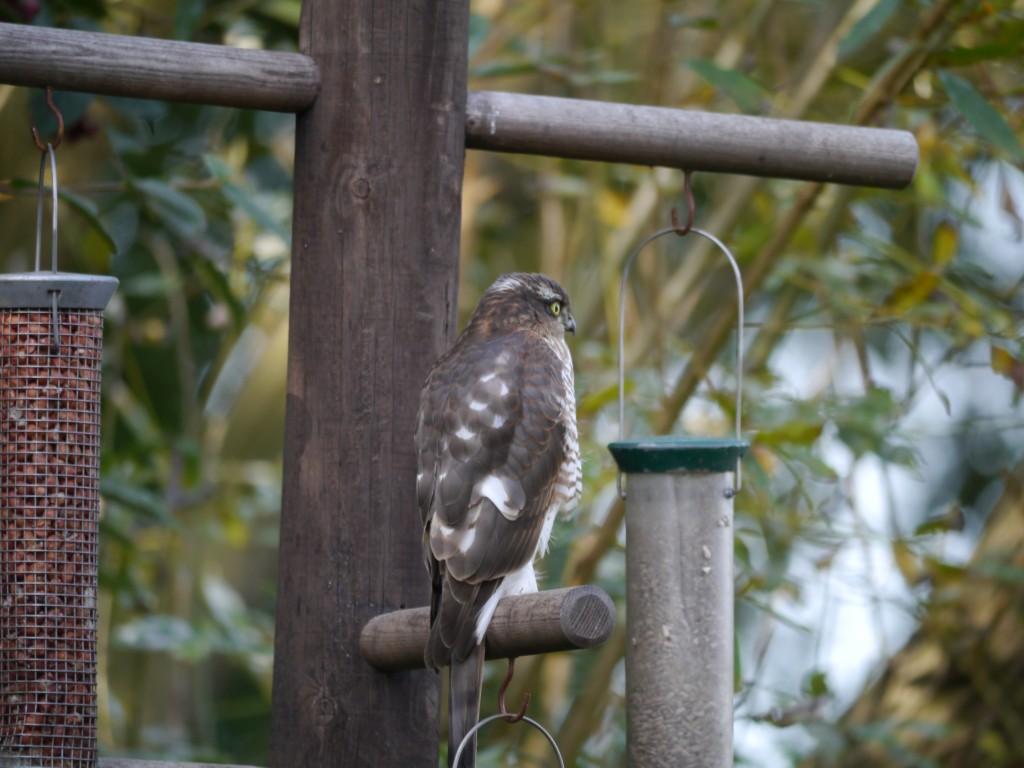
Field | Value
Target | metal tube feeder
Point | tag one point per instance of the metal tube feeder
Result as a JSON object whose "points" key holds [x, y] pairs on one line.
{"points": [[679, 600], [679, 578]]}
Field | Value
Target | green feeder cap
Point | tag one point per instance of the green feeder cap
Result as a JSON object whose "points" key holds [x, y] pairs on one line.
{"points": [[669, 453]]}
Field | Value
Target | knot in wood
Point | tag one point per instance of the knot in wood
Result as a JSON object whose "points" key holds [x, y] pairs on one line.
{"points": [[324, 711], [360, 188]]}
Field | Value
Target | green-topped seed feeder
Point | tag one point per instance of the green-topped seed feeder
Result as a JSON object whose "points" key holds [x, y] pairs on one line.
{"points": [[679, 576]]}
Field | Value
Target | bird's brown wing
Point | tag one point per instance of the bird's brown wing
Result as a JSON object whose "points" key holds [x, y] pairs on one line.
{"points": [[490, 441]]}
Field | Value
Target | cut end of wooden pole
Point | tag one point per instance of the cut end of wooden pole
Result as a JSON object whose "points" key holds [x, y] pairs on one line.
{"points": [[588, 616]]}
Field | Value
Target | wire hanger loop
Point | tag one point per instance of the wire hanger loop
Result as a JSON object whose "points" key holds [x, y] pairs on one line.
{"points": [[48, 154], [675, 229], [528, 720]]}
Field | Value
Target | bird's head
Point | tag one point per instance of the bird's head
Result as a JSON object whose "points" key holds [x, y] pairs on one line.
{"points": [[523, 300]]}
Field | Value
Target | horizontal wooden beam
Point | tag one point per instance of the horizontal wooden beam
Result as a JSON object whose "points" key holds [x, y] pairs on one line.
{"points": [[690, 140], [120, 65], [556, 620], [149, 68], [117, 762]]}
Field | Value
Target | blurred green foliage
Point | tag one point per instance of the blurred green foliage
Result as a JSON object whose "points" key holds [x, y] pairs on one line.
{"points": [[884, 351]]}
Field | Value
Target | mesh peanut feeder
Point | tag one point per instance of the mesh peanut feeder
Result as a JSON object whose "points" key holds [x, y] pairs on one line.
{"points": [[51, 345]]}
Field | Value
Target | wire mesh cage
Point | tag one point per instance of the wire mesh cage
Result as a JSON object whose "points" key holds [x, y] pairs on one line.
{"points": [[51, 349], [49, 516]]}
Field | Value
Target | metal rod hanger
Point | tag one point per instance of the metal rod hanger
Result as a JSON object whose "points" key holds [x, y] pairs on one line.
{"points": [[119, 65]]}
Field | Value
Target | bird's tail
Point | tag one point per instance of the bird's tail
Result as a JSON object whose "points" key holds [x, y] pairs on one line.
{"points": [[466, 682]]}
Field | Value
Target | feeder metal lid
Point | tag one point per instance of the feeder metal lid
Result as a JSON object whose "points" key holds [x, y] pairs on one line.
{"points": [[31, 290], [670, 453]]}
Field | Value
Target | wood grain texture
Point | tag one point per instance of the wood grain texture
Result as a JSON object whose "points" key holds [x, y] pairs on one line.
{"points": [[690, 140], [120, 65], [378, 169], [556, 620]]}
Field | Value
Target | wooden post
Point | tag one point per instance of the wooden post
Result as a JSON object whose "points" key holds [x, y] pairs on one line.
{"points": [[378, 175]]}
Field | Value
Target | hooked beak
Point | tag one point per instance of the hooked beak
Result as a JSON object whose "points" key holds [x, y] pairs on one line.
{"points": [[570, 323]]}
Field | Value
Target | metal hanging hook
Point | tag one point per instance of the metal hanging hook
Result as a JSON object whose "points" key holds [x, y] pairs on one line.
{"points": [[511, 717], [739, 337], [690, 207], [60, 125]]}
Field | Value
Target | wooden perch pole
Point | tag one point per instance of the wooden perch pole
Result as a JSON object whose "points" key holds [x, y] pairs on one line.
{"points": [[557, 620], [119, 65], [149, 68], [690, 140]]}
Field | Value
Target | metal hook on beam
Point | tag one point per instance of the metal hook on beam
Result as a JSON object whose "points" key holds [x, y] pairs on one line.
{"points": [[40, 145], [511, 717], [690, 207]]}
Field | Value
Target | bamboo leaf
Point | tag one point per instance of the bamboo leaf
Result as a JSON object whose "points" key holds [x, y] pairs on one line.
{"points": [[1003, 42], [944, 244], [284, 11], [745, 91], [186, 17], [693, 21], [87, 208], [963, 57], [172, 206], [985, 119], [135, 497], [1004, 363], [241, 197], [867, 27], [479, 26]]}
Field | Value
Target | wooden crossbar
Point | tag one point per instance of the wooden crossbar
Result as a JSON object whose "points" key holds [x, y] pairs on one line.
{"points": [[120, 65], [149, 68], [556, 620], [690, 139]]}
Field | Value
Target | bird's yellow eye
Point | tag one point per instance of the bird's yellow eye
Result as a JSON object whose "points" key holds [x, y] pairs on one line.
{"points": [[555, 307]]}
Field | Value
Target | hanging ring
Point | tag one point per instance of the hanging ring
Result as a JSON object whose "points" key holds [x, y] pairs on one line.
{"points": [[690, 207], [739, 337], [60, 125], [528, 720]]}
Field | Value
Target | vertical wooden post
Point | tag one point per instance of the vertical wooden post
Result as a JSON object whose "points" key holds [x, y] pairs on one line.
{"points": [[378, 176]]}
